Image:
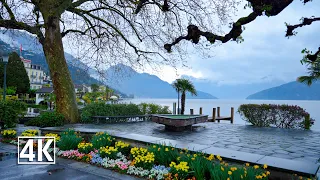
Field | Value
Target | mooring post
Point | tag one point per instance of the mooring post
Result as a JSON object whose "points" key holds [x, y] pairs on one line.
{"points": [[232, 114], [214, 115], [191, 111], [174, 108], [200, 111], [218, 109]]}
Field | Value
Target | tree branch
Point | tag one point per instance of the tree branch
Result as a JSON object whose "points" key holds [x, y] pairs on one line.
{"points": [[78, 3], [269, 7], [194, 33], [12, 24], [305, 22], [8, 9], [313, 57]]}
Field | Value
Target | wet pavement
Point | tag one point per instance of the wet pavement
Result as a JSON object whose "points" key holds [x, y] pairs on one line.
{"points": [[299, 145]]}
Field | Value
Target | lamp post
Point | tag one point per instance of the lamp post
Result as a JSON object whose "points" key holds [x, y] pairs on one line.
{"points": [[5, 59]]}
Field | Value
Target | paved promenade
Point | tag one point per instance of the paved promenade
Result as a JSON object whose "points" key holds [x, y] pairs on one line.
{"points": [[300, 145]]}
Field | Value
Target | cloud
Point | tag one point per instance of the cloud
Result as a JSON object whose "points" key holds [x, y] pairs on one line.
{"points": [[265, 52]]}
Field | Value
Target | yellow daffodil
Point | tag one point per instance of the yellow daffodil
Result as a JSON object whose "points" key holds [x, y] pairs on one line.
{"points": [[265, 166]]}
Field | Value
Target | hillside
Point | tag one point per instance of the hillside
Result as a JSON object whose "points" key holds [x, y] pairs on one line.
{"points": [[32, 50], [144, 85], [290, 91]]}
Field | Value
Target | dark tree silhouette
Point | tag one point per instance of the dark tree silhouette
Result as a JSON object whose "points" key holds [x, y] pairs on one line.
{"points": [[16, 74]]}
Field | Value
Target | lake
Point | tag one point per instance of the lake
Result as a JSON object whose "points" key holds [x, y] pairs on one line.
{"points": [[312, 107]]}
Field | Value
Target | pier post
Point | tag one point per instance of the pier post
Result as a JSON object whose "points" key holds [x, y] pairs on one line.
{"points": [[200, 111], [191, 111], [174, 108], [218, 109], [232, 115], [214, 115]]}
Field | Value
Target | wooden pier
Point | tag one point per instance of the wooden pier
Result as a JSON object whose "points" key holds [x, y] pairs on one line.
{"points": [[216, 115]]}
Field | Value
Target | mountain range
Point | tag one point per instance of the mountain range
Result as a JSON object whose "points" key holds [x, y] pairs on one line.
{"points": [[144, 85], [290, 91], [135, 84], [126, 81]]}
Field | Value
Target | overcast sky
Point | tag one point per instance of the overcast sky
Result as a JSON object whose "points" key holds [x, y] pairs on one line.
{"points": [[266, 54]]}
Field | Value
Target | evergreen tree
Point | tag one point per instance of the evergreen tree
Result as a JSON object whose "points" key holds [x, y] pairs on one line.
{"points": [[16, 74]]}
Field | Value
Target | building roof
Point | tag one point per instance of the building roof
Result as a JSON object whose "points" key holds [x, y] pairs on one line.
{"points": [[45, 90], [25, 60]]}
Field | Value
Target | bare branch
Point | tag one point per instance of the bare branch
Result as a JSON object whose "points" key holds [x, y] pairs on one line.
{"points": [[194, 33], [8, 9], [78, 3], [12, 24], [305, 22], [269, 7]]}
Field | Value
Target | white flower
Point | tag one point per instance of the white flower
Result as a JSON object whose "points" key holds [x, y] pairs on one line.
{"points": [[138, 171]]}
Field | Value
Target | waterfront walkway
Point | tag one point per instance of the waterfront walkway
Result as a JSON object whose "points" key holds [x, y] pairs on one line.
{"points": [[298, 145]]}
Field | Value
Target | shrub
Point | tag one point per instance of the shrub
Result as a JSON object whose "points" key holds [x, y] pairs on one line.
{"points": [[146, 108], [101, 139], [281, 116], [9, 133], [10, 111], [47, 119], [69, 140], [102, 109], [38, 106]]}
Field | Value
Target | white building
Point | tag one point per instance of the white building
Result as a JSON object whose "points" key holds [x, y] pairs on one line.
{"points": [[82, 88], [36, 75], [42, 93]]}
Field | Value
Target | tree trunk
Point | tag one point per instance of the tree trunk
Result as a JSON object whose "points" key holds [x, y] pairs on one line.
{"points": [[183, 101], [62, 82]]}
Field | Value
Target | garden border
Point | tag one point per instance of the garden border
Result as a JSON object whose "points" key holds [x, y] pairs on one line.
{"points": [[280, 164]]}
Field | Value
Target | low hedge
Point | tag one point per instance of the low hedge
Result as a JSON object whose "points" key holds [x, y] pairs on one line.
{"points": [[102, 109], [272, 115], [47, 119], [10, 111]]}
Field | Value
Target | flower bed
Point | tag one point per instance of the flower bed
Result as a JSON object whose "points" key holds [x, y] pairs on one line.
{"points": [[152, 162]]}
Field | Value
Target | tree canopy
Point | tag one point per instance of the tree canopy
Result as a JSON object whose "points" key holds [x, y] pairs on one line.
{"points": [[16, 74], [127, 31], [184, 86]]}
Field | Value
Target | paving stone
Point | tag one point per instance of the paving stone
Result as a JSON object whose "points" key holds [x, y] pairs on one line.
{"points": [[139, 137], [236, 155], [233, 147], [182, 144], [308, 159], [304, 167], [281, 152], [296, 155]]}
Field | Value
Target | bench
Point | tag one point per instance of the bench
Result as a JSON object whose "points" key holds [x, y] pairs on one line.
{"points": [[117, 119]]}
